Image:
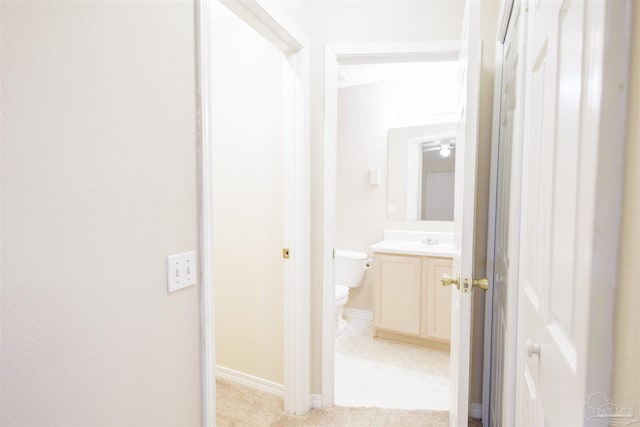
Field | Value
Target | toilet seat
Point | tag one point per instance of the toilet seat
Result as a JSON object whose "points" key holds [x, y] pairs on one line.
{"points": [[342, 291]]}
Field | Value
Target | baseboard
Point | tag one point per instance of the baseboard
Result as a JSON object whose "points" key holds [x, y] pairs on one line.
{"points": [[475, 411], [249, 381], [316, 401], [356, 313]]}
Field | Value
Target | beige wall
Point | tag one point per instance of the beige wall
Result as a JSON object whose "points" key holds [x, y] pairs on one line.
{"points": [[626, 378], [98, 187], [248, 205]]}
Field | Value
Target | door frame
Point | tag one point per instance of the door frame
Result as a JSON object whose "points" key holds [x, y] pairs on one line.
{"points": [[335, 54], [296, 193], [504, 19]]}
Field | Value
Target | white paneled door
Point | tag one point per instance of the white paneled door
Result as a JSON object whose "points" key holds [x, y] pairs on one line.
{"points": [[571, 135]]}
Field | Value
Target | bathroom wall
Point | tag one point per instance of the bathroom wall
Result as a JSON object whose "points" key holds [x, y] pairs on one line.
{"points": [[98, 173], [365, 115], [248, 205]]}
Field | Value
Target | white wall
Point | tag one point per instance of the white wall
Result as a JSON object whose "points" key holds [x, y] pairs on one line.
{"points": [[248, 205], [366, 113], [98, 187]]}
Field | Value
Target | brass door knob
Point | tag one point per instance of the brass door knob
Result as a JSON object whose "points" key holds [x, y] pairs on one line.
{"points": [[448, 281], [481, 283]]}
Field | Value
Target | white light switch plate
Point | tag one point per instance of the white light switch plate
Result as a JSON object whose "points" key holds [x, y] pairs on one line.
{"points": [[181, 271]]}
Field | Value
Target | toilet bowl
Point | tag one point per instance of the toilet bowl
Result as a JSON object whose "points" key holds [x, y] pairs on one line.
{"points": [[349, 269]]}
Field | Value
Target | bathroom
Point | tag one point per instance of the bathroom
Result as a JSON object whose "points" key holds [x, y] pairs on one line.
{"points": [[395, 165]]}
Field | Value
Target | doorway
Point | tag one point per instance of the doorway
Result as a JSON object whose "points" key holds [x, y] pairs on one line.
{"points": [[340, 61], [397, 118], [290, 211]]}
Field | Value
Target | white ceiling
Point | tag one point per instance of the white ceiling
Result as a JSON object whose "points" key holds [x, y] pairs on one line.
{"points": [[360, 74]]}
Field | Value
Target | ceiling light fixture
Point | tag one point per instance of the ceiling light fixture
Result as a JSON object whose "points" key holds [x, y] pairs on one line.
{"points": [[445, 150]]}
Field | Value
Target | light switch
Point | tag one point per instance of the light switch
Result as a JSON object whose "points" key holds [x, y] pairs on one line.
{"points": [[181, 271]]}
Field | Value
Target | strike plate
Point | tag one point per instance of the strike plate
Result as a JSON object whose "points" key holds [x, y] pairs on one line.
{"points": [[466, 285]]}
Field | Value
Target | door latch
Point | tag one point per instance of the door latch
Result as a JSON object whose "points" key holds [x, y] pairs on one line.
{"points": [[466, 284]]}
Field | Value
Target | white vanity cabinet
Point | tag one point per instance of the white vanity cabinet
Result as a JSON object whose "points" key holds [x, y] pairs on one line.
{"points": [[411, 305]]}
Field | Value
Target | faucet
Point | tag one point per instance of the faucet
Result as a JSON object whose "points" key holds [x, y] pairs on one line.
{"points": [[430, 241]]}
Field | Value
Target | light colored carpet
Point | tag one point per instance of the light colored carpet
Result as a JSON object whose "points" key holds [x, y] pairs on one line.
{"points": [[239, 406]]}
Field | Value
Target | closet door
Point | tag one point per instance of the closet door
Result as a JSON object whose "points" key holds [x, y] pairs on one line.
{"points": [[573, 145]]}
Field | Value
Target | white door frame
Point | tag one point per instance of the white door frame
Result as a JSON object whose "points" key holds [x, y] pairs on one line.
{"points": [[504, 18], [352, 54], [491, 236], [297, 208]]}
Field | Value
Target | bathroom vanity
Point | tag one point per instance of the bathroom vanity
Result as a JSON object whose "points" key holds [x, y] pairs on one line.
{"points": [[410, 303]]}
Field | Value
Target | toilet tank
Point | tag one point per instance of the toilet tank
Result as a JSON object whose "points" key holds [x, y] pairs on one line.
{"points": [[349, 267]]}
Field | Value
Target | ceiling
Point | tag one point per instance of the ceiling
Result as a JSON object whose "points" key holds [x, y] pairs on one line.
{"points": [[361, 74]]}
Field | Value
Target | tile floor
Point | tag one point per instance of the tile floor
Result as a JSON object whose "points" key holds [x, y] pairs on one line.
{"points": [[384, 374]]}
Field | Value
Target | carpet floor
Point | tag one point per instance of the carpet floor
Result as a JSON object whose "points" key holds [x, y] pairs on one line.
{"points": [[239, 406]]}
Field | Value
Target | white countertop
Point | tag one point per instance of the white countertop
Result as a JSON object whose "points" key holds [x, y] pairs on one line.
{"points": [[412, 248]]}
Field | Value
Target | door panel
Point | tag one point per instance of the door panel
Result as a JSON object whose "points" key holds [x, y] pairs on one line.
{"points": [[398, 284], [438, 323]]}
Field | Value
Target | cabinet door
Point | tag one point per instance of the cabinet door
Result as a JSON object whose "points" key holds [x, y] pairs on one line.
{"points": [[437, 303], [398, 292]]}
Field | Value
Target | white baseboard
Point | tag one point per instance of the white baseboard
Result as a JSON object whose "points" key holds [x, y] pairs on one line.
{"points": [[249, 381], [316, 401], [357, 313], [475, 411]]}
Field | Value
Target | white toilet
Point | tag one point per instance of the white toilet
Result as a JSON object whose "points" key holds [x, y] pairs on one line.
{"points": [[349, 268]]}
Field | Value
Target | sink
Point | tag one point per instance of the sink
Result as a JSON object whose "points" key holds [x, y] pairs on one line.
{"points": [[415, 243]]}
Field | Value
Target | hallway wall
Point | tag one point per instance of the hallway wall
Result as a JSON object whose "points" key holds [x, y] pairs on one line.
{"points": [[98, 184]]}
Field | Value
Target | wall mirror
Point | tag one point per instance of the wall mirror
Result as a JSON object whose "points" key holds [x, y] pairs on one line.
{"points": [[421, 172]]}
